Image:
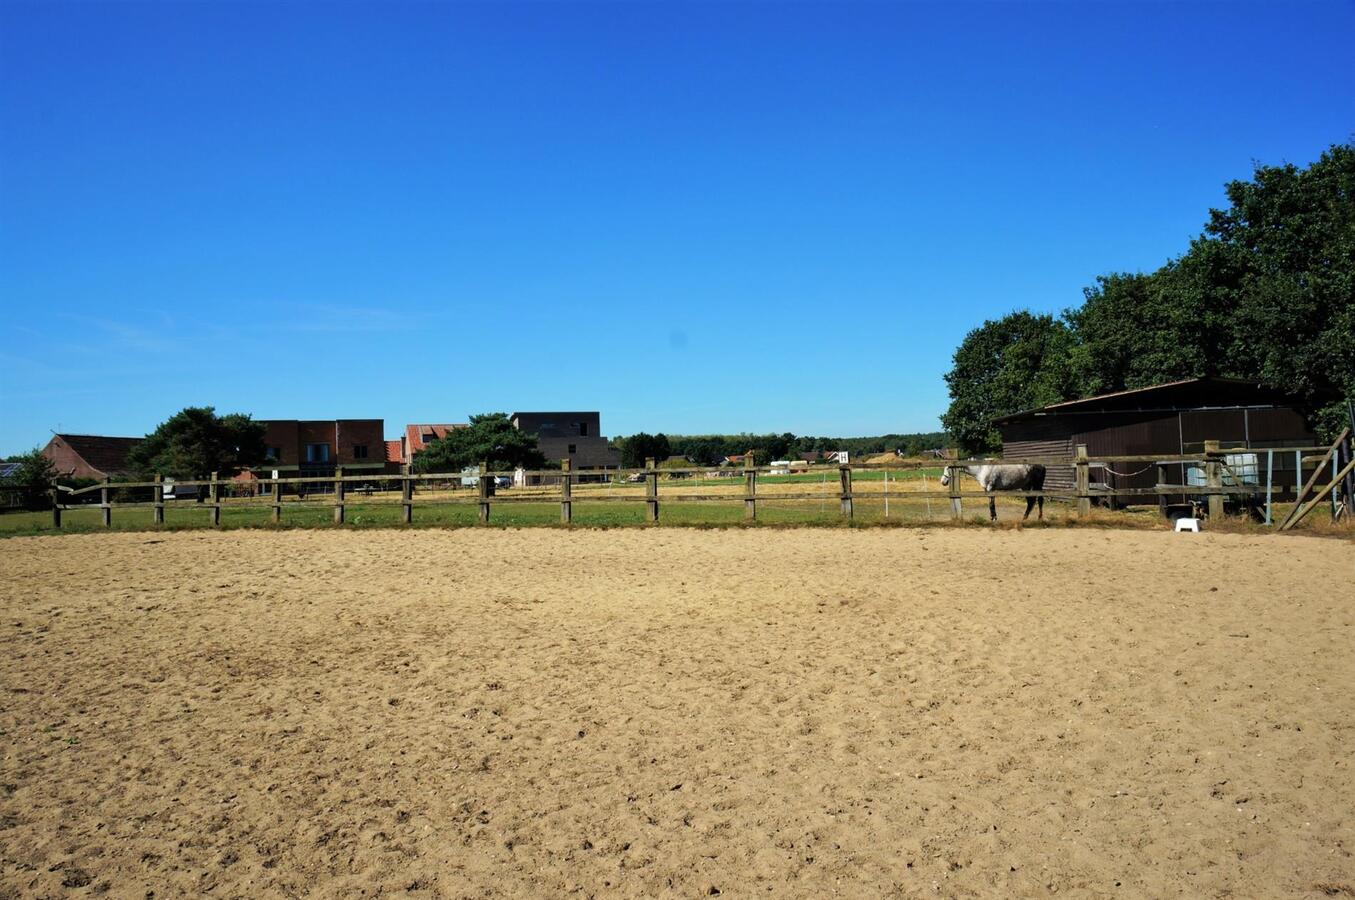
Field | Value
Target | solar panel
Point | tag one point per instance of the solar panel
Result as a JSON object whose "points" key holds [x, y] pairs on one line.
{"points": [[9, 468]]}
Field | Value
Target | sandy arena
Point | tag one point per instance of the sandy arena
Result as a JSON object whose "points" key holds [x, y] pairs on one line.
{"points": [[486, 713]]}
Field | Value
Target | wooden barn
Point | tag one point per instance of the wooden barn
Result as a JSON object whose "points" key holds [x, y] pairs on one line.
{"points": [[1171, 419]]}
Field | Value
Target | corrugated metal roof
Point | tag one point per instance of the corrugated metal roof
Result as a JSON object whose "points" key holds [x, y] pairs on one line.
{"points": [[1123, 399]]}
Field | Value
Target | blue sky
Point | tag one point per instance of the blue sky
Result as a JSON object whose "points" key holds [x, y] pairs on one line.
{"points": [[696, 217]]}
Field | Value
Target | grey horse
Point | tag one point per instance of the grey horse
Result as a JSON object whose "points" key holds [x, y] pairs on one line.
{"points": [[998, 477]]}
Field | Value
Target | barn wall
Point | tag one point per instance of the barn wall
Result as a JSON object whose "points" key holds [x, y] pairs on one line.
{"points": [[1040, 439], [1228, 426], [1130, 434]]}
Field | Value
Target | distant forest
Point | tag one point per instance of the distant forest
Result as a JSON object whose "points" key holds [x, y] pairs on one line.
{"points": [[708, 449], [1266, 292]]}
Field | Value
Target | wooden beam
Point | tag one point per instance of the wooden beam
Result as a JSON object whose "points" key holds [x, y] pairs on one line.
{"points": [[1082, 470], [1318, 497], [1317, 473]]}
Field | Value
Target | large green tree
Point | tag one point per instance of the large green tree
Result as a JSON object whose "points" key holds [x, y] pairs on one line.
{"points": [[1285, 248], [196, 441], [490, 438], [1017, 362], [1266, 292], [1134, 330]]}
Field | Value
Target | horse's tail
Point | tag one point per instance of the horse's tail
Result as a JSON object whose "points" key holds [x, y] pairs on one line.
{"points": [[1037, 477]]}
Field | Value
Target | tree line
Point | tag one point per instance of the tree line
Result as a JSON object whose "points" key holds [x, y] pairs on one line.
{"points": [[712, 449], [1266, 292]]}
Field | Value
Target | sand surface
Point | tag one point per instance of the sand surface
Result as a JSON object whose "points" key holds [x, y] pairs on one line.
{"points": [[641, 712]]}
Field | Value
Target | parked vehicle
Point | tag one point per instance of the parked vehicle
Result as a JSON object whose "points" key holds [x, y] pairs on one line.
{"points": [[174, 491]]}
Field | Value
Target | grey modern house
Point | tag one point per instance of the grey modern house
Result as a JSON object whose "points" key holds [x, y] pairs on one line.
{"points": [[576, 436]]}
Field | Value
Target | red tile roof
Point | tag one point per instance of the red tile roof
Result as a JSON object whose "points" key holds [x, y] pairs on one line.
{"points": [[416, 436], [393, 452], [107, 454]]}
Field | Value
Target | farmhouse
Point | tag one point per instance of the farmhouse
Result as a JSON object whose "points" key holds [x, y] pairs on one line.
{"points": [[1171, 419], [89, 455]]}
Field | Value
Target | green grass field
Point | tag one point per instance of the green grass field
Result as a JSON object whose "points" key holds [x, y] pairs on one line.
{"points": [[587, 512]]}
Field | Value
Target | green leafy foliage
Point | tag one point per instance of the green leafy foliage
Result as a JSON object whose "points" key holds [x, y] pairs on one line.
{"points": [[196, 441], [28, 486], [711, 449], [490, 437]]}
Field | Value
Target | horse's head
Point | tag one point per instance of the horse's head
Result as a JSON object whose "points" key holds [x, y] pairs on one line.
{"points": [[946, 476]]}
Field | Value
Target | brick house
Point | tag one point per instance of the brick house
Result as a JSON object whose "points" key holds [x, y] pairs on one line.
{"points": [[89, 455], [308, 448]]}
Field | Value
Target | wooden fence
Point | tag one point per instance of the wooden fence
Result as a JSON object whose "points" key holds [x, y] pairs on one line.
{"points": [[1213, 493]]}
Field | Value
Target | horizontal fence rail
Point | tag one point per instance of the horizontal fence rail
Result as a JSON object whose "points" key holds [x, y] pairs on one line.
{"points": [[479, 486]]}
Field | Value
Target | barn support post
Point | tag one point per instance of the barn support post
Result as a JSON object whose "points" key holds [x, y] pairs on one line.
{"points": [[1213, 479], [56, 508], [1082, 469], [338, 495], [651, 491], [749, 488], [1298, 472], [1270, 480], [1350, 454], [277, 501], [159, 502], [215, 496], [956, 508], [1161, 497], [566, 491], [105, 508], [406, 496], [482, 487], [844, 476]]}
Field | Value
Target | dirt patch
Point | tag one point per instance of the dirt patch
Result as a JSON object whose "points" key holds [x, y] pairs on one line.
{"points": [[742, 712]]}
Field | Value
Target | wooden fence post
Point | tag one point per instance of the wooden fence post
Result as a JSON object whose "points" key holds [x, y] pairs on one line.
{"points": [[1161, 497], [406, 496], [1082, 469], [566, 492], [1213, 479], [277, 501], [216, 501], [844, 474], [105, 510], [956, 507], [482, 485], [651, 490], [159, 516], [749, 487], [56, 508], [338, 495]]}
